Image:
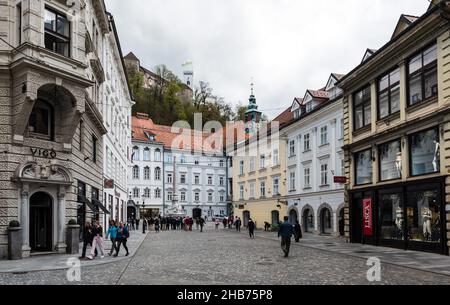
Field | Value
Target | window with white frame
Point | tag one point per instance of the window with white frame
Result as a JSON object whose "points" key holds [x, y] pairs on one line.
{"points": [[157, 174], [210, 197], [252, 190], [241, 167], [291, 148], [222, 197], [221, 163], [169, 178], [276, 186], [158, 193], [157, 155], [146, 154], [262, 188], [183, 178], [136, 172], [196, 179], [262, 162], [183, 196], [147, 193], [210, 180], [169, 196], [276, 157], [307, 142], [324, 174], [241, 192], [147, 173], [136, 192], [252, 164], [292, 181], [324, 135], [307, 177], [135, 153], [197, 197], [222, 181]]}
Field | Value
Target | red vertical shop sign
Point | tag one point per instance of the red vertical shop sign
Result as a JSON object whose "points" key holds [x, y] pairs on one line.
{"points": [[368, 217]]}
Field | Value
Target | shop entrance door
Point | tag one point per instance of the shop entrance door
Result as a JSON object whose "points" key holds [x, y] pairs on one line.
{"points": [[196, 213], [356, 219], [40, 222]]}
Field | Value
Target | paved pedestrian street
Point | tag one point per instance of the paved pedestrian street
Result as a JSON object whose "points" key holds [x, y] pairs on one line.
{"points": [[225, 257]]}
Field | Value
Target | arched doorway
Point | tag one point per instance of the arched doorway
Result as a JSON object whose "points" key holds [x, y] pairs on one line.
{"points": [[246, 216], [41, 223], [325, 221], [308, 220], [275, 217], [131, 212], [196, 213], [293, 217]]}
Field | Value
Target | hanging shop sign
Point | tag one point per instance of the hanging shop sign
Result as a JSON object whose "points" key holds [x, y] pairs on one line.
{"points": [[43, 153], [368, 217], [340, 179], [109, 184]]}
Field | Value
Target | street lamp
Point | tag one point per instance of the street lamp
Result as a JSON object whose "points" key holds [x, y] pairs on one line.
{"points": [[142, 216]]}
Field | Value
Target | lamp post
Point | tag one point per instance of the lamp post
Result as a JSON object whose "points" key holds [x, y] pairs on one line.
{"points": [[142, 216]]}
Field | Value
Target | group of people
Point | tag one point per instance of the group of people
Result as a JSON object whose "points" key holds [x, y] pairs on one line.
{"points": [[168, 223], [92, 236]]}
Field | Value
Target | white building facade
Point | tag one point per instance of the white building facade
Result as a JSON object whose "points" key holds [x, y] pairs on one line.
{"points": [[314, 158]]}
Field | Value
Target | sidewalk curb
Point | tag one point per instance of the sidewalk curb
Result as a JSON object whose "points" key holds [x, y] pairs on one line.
{"points": [[353, 256], [100, 263]]}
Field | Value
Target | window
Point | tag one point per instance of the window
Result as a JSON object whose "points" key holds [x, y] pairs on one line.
{"points": [[210, 180], [425, 152], [262, 188], [183, 196], [292, 181], [252, 190], [241, 192], [222, 198], [296, 113], [221, 163], [390, 161], [276, 157], [210, 197], [309, 107], [292, 148], [157, 174], [158, 193], [276, 186], [221, 181], [252, 164], [169, 196], [40, 124], [423, 76], [389, 94], [157, 155], [147, 193], [94, 194], [362, 109], [135, 155], [136, 193], [147, 173], [262, 162], [391, 216], [324, 135], [136, 172], [241, 167], [364, 169], [196, 162], [168, 159], [196, 179], [183, 159], [146, 154], [197, 197], [57, 33], [324, 174], [183, 179], [169, 178], [306, 142], [307, 177]]}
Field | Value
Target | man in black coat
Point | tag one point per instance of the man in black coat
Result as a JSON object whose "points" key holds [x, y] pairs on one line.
{"points": [[88, 237], [251, 228]]}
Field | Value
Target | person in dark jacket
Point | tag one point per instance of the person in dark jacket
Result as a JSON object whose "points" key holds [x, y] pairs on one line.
{"points": [[201, 223], [137, 223], [251, 228], [157, 225], [297, 232], [122, 237], [87, 239], [238, 224], [286, 231]]}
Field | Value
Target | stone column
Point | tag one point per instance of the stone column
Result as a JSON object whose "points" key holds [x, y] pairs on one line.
{"points": [[25, 221], [61, 246]]}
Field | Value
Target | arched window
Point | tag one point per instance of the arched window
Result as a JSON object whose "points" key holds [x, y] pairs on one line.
{"points": [[135, 153], [41, 121], [157, 155], [136, 172], [157, 174], [146, 154], [147, 173]]}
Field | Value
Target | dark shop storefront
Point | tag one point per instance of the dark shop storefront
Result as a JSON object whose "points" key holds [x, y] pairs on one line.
{"points": [[406, 216]]}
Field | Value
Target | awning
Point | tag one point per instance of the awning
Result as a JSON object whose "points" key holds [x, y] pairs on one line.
{"points": [[83, 199], [100, 206]]}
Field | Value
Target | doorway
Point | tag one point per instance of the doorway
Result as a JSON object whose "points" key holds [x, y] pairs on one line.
{"points": [[196, 213], [41, 222], [293, 217], [308, 221], [275, 217], [325, 221], [246, 216]]}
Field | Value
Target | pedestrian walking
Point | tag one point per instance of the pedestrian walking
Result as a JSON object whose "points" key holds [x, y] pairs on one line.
{"points": [[217, 223], [97, 242], [137, 223], [157, 225], [201, 223], [197, 223], [251, 228], [286, 231], [132, 224], [238, 224], [87, 238], [224, 222], [122, 237], [297, 232], [191, 223], [230, 222], [112, 232]]}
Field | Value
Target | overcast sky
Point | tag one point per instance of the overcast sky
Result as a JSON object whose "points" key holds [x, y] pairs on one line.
{"points": [[287, 46]]}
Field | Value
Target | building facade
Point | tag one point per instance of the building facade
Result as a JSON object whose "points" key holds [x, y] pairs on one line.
{"points": [[314, 156], [397, 138], [116, 109], [51, 129]]}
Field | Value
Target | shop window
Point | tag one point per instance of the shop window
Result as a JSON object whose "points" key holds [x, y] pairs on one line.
{"points": [[423, 76], [40, 123], [363, 167], [391, 217], [57, 32], [425, 152], [390, 161], [424, 216]]}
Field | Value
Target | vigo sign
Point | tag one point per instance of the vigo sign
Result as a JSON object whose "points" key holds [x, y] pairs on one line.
{"points": [[43, 153], [367, 217]]}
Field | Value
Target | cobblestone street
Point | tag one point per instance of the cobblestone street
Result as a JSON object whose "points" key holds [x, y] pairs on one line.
{"points": [[226, 257]]}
